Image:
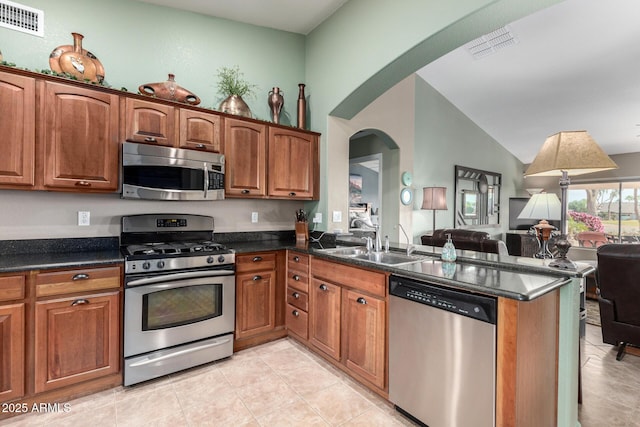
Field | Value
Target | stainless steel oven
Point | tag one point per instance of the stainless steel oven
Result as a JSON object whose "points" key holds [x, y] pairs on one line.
{"points": [[166, 173], [179, 298]]}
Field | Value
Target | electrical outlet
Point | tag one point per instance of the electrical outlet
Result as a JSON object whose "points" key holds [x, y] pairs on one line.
{"points": [[254, 217], [337, 216], [317, 219], [84, 218]]}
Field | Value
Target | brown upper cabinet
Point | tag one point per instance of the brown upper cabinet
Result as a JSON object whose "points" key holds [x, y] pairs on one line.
{"points": [[245, 149], [293, 164], [151, 122]]}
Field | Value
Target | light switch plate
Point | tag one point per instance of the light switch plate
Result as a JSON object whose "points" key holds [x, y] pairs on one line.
{"points": [[317, 219], [254, 217], [84, 218], [337, 216]]}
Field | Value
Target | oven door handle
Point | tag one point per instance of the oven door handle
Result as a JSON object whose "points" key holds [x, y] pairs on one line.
{"points": [[150, 360], [179, 276]]}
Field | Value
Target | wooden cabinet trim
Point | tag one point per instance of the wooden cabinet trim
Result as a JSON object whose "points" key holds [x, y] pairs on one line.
{"points": [[373, 282], [12, 287], [255, 262], [80, 280]]}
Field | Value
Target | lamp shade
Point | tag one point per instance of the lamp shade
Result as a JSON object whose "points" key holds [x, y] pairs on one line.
{"points": [[572, 151], [434, 198], [542, 206]]}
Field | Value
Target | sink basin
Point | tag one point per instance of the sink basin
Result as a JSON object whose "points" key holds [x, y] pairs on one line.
{"points": [[346, 251], [389, 258]]}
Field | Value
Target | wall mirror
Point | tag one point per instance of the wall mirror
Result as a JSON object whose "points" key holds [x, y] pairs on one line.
{"points": [[477, 201]]}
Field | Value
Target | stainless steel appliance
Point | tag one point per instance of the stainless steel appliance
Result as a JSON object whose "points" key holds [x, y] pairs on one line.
{"points": [[179, 296], [166, 173], [442, 354]]}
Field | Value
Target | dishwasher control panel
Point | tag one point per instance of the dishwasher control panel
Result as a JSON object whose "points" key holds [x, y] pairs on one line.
{"points": [[478, 307]]}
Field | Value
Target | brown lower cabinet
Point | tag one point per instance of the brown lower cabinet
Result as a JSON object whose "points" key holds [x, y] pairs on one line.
{"points": [[11, 351]]}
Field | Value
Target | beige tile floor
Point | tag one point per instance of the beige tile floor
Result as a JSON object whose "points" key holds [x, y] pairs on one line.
{"points": [[282, 384]]}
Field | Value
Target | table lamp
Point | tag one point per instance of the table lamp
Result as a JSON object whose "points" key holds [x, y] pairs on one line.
{"points": [[434, 198], [542, 206], [568, 152]]}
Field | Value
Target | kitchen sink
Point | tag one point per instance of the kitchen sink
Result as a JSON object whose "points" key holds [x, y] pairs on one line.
{"points": [[361, 253], [346, 251]]}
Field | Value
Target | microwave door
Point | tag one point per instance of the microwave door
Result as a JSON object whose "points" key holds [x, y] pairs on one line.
{"points": [[158, 179]]}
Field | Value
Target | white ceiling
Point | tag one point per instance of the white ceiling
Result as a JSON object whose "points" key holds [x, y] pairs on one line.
{"points": [[575, 66]]}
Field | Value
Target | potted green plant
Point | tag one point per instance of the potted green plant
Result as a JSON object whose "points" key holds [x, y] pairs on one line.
{"points": [[233, 86]]}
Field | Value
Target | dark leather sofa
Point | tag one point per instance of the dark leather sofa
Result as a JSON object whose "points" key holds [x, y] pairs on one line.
{"points": [[618, 283], [464, 239]]}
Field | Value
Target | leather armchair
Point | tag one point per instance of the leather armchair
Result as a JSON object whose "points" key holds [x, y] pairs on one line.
{"points": [[464, 239], [618, 280]]}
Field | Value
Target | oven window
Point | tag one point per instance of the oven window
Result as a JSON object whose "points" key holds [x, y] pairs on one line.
{"points": [[164, 177], [181, 306]]}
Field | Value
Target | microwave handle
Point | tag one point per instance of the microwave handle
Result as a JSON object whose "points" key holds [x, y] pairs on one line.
{"points": [[206, 179]]}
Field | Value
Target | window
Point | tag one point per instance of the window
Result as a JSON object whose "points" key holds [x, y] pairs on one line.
{"points": [[600, 213]]}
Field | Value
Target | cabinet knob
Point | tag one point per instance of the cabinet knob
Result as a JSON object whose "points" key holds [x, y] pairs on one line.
{"points": [[83, 184], [295, 313], [323, 287], [361, 300], [81, 301], [296, 277], [295, 295], [150, 139], [245, 191], [80, 276], [256, 278], [292, 194], [296, 258], [257, 258]]}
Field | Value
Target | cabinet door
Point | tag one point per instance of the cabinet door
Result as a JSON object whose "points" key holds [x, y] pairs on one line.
{"points": [[255, 303], [245, 149], [11, 351], [76, 339], [150, 123], [324, 317], [293, 164], [81, 146], [364, 336], [17, 127], [200, 131]]}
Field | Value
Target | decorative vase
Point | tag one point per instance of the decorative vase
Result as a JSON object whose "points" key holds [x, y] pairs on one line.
{"points": [[234, 104], [169, 90], [275, 101], [302, 107], [76, 61]]}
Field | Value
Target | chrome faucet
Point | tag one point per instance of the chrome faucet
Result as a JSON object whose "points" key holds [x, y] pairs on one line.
{"points": [[378, 244], [369, 243], [410, 247]]}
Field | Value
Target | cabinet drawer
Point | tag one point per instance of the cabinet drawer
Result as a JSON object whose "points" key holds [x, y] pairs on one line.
{"points": [[298, 280], [297, 321], [297, 261], [255, 262], [11, 288], [81, 280], [298, 299], [372, 282]]}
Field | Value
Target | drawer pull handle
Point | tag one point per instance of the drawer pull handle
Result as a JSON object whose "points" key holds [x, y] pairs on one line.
{"points": [[83, 184], [292, 194], [200, 146], [323, 287], [361, 300], [295, 313], [245, 191], [81, 301], [257, 258], [80, 276], [295, 295], [296, 277], [150, 139], [255, 278], [296, 258]]}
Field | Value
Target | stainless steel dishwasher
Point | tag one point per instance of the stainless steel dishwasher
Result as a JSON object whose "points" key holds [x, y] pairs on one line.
{"points": [[442, 354]]}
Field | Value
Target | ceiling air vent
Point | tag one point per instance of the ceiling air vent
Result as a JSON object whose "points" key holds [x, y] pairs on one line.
{"points": [[491, 42], [21, 18]]}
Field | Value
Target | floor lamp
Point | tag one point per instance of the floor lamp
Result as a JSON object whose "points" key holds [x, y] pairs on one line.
{"points": [[565, 153], [542, 206], [434, 198]]}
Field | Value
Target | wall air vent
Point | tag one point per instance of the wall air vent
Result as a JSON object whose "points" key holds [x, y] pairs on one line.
{"points": [[21, 18], [491, 42]]}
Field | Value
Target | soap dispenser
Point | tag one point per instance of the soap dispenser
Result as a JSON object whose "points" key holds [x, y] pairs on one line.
{"points": [[448, 250]]}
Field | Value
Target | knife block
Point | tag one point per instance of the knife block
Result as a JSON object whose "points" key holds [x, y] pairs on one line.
{"points": [[302, 231]]}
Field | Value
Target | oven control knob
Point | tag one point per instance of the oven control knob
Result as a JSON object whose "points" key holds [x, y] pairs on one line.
{"points": [[160, 264], [210, 260], [221, 258], [146, 265]]}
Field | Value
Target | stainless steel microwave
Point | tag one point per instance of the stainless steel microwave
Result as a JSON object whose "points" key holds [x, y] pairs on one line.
{"points": [[166, 173]]}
